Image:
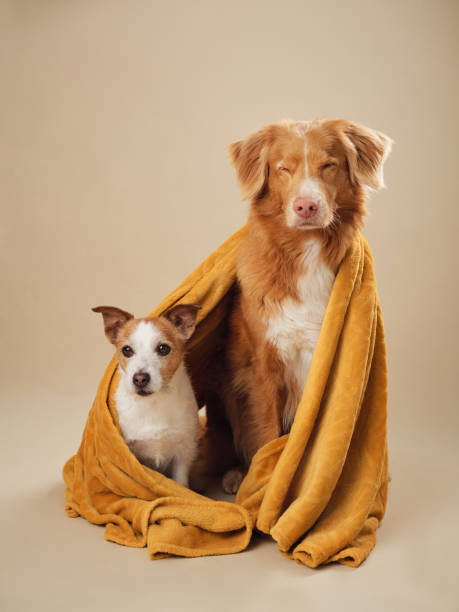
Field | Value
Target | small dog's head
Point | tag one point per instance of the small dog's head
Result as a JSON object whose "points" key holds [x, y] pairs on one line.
{"points": [[305, 171], [149, 351]]}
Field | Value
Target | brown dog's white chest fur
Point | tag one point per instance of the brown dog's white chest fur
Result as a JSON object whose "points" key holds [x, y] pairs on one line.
{"points": [[294, 324]]}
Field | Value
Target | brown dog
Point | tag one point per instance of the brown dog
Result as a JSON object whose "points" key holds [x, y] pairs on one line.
{"points": [[307, 184]]}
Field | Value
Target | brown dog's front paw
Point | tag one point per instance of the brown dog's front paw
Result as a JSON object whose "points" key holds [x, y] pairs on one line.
{"points": [[232, 480]]}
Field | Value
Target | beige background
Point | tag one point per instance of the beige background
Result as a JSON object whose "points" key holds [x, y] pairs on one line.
{"points": [[116, 184]]}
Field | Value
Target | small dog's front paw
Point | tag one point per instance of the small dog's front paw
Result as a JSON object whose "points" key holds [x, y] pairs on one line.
{"points": [[232, 480]]}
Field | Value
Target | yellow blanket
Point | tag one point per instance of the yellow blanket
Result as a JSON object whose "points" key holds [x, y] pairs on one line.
{"points": [[319, 491]]}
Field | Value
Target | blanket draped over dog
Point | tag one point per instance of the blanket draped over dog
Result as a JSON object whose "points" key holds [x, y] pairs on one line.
{"points": [[319, 491]]}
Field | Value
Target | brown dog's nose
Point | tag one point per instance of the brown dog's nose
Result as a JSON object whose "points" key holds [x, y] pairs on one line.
{"points": [[141, 379], [305, 207]]}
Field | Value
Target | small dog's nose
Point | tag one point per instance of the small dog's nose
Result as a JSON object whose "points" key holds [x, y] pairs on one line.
{"points": [[305, 207], [141, 379]]}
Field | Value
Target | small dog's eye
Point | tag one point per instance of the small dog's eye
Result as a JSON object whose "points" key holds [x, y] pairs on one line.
{"points": [[163, 349], [328, 165], [284, 169], [127, 351]]}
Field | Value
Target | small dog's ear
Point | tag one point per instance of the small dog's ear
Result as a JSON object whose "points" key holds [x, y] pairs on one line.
{"points": [[250, 158], [183, 316], [114, 319], [366, 152]]}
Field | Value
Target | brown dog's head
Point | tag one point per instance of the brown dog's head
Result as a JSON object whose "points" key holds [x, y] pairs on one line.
{"points": [[305, 171]]}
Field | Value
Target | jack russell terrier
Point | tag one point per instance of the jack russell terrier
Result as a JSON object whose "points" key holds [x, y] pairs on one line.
{"points": [[155, 402]]}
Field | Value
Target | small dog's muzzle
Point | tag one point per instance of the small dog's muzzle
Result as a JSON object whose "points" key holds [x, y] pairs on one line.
{"points": [[141, 379]]}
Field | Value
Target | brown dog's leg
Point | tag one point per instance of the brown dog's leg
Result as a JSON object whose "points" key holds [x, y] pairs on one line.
{"points": [[255, 417], [254, 424], [265, 402], [217, 452], [232, 479]]}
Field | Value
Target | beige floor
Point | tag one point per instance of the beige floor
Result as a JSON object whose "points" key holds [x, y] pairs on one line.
{"points": [[51, 562]]}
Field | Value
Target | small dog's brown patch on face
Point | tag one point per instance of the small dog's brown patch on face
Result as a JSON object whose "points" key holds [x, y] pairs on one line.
{"points": [[171, 361], [123, 339]]}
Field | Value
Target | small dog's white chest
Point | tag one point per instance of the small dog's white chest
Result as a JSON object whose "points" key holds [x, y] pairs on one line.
{"points": [[294, 329], [161, 426]]}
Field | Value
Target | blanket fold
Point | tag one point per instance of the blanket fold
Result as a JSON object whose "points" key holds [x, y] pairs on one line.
{"points": [[320, 492]]}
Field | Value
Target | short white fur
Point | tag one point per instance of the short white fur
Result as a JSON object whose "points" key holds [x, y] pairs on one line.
{"points": [[294, 329], [143, 340], [309, 188]]}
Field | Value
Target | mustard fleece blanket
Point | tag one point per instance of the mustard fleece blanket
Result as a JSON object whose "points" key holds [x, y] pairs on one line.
{"points": [[320, 491]]}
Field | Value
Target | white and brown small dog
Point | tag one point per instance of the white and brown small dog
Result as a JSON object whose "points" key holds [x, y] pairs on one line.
{"points": [[155, 402]]}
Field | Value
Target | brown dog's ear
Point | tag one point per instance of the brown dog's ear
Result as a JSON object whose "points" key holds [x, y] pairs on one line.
{"points": [[366, 151], [183, 316], [250, 158], [114, 319]]}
